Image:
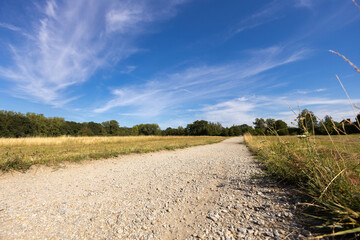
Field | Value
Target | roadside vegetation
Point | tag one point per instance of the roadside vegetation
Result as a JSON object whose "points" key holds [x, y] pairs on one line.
{"points": [[22, 153], [325, 168]]}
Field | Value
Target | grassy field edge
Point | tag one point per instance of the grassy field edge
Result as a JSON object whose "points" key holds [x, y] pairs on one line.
{"points": [[22, 153], [324, 170]]}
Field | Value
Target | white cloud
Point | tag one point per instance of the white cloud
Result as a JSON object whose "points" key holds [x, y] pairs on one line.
{"points": [[246, 109], [305, 3], [128, 69], [72, 40], [50, 8], [196, 84], [304, 92], [10, 27], [267, 14], [125, 18], [231, 112]]}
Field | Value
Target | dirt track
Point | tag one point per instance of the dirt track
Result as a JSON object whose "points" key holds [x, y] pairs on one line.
{"points": [[200, 192]]}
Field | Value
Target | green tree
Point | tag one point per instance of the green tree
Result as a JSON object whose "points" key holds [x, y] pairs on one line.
{"points": [[135, 131], [281, 127], [214, 129], [270, 123], [270, 126], [72, 128], [149, 129], [39, 124], [260, 126], [327, 126], [235, 130], [55, 126], [307, 121], [15, 124], [181, 131], [246, 129], [197, 128], [96, 128], [85, 131], [112, 127], [225, 132]]}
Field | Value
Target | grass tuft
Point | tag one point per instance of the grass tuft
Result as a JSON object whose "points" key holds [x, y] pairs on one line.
{"points": [[326, 168]]}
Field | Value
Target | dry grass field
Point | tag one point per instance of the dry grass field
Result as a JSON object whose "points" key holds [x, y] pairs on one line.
{"points": [[21, 153], [326, 168]]}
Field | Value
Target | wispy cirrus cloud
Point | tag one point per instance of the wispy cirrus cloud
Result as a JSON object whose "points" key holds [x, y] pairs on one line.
{"points": [[72, 39], [10, 27], [304, 92], [270, 12], [266, 14], [128, 69], [306, 3], [15, 29], [196, 84]]}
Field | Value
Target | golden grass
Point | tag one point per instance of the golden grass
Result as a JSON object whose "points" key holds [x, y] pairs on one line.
{"points": [[21, 153], [326, 168]]}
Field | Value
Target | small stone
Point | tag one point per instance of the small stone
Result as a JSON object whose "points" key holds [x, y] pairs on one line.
{"points": [[213, 216]]}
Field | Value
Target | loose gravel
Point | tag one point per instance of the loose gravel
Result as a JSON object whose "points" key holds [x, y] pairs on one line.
{"points": [[204, 192]]}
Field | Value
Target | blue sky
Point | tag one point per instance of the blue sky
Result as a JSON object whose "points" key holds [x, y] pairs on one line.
{"points": [[175, 61]]}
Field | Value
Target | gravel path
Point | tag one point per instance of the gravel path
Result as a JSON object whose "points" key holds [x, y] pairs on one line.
{"points": [[204, 192]]}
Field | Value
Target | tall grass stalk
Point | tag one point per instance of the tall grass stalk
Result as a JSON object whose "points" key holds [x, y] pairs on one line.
{"points": [[326, 168], [320, 170]]}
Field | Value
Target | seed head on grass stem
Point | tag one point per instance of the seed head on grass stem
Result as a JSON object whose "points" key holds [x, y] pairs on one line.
{"points": [[347, 60]]}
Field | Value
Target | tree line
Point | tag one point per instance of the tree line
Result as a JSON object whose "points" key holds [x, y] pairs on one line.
{"points": [[307, 123], [14, 124]]}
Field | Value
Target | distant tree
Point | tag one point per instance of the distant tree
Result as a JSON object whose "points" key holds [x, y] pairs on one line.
{"points": [[15, 124], [199, 127], [225, 132], [260, 126], [85, 131], [270, 123], [181, 131], [96, 128], [349, 127], [135, 131], [72, 128], [55, 126], [281, 127], [125, 131], [111, 127], [246, 129], [294, 131], [4, 131], [149, 129], [307, 121], [214, 129], [39, 124], [170, 132], [327, 126], [235, 130], [270, 126]]}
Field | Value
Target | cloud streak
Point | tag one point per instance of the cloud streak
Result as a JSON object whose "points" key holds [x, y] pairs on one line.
{"points": [[196, 84], [72, 40], [10, 27], [267, 14], [246, 109]]}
